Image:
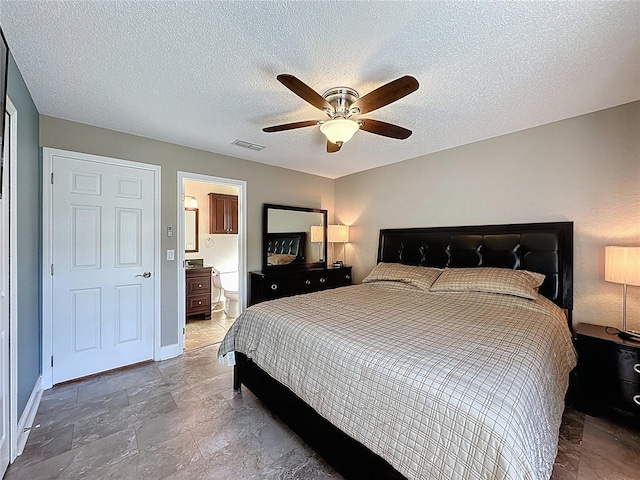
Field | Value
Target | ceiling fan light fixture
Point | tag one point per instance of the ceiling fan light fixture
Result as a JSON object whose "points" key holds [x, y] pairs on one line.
{"points": [[339, 130]]}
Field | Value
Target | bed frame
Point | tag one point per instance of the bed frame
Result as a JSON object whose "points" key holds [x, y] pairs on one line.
{"points": [[541, 247]]}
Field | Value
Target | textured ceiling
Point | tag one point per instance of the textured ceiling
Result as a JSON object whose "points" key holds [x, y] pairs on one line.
{"points": [[203, 74]]}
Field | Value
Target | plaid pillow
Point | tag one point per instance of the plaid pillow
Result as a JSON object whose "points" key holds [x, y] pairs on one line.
{"points": [[520, 283], [417, 277]]}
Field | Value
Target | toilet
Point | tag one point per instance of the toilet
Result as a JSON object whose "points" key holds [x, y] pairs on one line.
{"points": [[228, 282]]}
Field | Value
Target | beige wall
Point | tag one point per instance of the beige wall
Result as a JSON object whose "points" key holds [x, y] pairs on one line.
{"points": [[585, 169], [265, 184]]}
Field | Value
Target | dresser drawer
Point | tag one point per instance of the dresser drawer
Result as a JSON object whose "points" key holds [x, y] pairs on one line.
{"points": [[340, 277], [292, 284], [313, 282], [628, 364], [196, 285], [278, 287], [198, 303], [626, 397]]}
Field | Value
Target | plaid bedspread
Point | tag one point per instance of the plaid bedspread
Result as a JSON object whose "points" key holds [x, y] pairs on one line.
{"points": [[441, 385]]}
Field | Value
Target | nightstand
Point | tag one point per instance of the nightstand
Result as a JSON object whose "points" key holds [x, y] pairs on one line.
{"points": [[608, 373]]}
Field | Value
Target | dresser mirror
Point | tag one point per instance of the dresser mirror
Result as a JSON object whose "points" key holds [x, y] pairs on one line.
{"points": [[293, 238], [190, 230]]}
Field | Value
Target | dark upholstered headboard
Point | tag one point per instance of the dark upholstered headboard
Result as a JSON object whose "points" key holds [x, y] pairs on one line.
{"points": [[539, 247], [290, 243]]}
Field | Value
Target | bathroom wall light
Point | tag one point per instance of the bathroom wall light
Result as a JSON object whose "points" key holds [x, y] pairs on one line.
{"points": [[190, 201]]}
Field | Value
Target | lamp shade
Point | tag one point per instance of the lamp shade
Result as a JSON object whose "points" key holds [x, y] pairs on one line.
{"points": [[317, 233], [338, 233], [339, 130], [190, 202], [622, 265]]}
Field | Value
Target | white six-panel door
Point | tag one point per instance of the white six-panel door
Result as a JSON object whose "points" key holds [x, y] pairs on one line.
{"points": [[103, 266]]}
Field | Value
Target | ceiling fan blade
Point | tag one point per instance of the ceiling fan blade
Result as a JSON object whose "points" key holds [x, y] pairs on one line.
{"points": [[384, 129], [290, 126], [304, 91], [386, 94], [332, 147]]}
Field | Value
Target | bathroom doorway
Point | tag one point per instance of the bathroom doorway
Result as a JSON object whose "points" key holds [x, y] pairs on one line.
{"points": [[211, 247]]}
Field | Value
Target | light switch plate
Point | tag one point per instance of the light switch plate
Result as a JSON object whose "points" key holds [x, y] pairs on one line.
{"points": [[170, 254]]}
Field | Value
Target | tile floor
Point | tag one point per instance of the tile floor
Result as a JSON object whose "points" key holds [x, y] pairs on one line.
{"points": [[179, 419], [200, 333]]}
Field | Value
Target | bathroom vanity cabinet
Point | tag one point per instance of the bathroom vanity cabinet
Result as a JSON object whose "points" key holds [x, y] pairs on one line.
{"points": [[198, 291]]}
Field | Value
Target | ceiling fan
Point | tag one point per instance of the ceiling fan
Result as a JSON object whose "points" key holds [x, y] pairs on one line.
{"points": [[342, 103]]}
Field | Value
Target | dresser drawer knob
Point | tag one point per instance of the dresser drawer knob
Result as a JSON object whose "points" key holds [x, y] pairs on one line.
{"points": [[199, 285], [637, 399], [322, 280], [636, 367], [199, 303], [307, 282], [274, 286]]}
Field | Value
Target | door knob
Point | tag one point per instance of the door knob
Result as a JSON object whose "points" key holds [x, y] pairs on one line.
{"points": [[145, 275]]}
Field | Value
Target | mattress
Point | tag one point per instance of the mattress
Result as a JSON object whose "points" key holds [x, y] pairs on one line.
{"points": [[441, 385]]}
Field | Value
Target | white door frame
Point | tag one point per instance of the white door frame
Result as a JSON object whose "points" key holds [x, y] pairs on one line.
{"points": [[13, 278], [241, 185], [47, 250]]}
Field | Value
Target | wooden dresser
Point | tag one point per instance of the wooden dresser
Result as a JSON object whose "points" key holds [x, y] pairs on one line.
{"points": [[198, 291], [268, 286]]}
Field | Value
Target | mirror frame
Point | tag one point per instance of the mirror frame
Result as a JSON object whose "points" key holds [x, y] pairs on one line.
{"points": [[197, 233], [297, 266]]}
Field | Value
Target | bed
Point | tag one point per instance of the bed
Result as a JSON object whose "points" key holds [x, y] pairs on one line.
{"points": [[286, 248], [394, 378]]}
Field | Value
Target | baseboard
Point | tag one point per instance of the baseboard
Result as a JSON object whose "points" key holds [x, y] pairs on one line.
{"points": [[29, 415], [168, 351]]}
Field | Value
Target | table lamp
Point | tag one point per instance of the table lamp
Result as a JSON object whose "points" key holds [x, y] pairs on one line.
{"points": [[622, 265], [339, 234]]}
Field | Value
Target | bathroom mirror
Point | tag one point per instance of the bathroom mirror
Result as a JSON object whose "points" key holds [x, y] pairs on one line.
{"points": [[293, 238], [190, 230]]}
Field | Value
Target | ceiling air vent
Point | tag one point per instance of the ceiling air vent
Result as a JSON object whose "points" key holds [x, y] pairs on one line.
{"points": [[249, 145]]}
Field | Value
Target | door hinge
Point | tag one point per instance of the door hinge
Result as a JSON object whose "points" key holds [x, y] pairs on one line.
{"points": [[184, 330], [51, 178], [52, 360], [52, 269]]}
